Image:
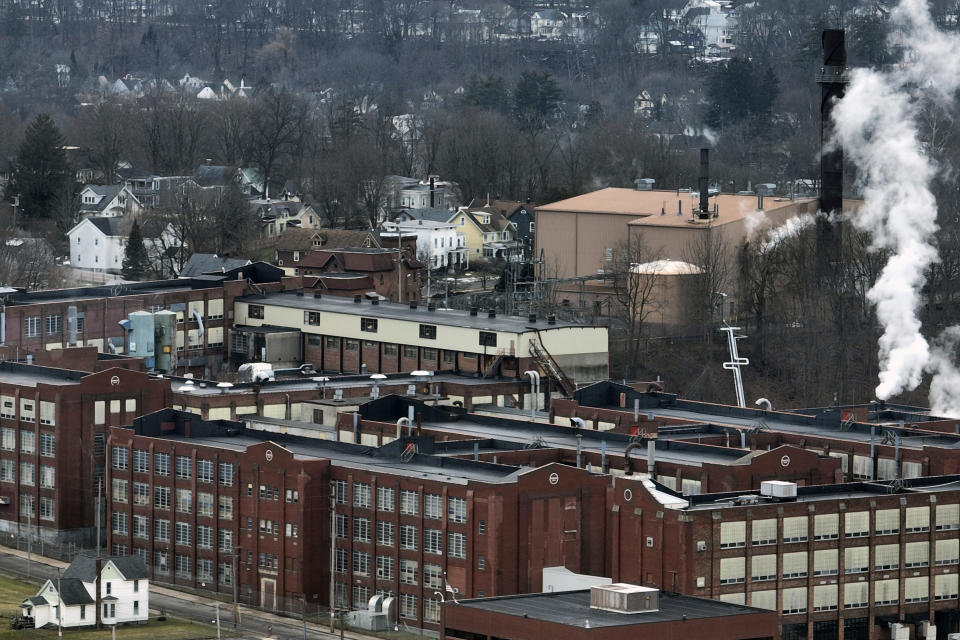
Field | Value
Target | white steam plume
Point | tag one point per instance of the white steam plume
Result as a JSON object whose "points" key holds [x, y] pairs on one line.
{"points": [[944, 400], [877, 126], [790, 228]]}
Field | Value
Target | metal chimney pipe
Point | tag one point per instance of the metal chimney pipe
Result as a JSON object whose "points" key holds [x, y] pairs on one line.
{"points": [[433, 181], [651, 457], [704, 180], [873, 448]]}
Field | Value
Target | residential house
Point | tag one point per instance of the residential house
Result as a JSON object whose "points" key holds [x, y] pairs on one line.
{"points": [[71, 599], [249, 180], [487, 233], [152, 190], [433, 214], [278, 215], [548, 23], [412, 193], [440, 244], [206, 263], [373, 269], [293, 243], [108, 200], [98, 243], [521, 215]]}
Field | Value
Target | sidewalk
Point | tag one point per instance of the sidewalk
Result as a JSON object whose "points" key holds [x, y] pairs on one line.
{"points": [[226, 608]]}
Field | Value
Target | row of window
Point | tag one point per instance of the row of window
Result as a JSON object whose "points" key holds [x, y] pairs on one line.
{"points": [[827, 526], [48, 442], [855, 594], [409, 538], [48, 411], [183, 565], [28, 476], [389, 348], [183, 532], [886, 557], [184, 466], [408, 602], [48, 507], [409, 501], [183, 499]]}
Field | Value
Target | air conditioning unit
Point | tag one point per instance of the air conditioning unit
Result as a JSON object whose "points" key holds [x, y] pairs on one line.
{"points": [[701, 545]]}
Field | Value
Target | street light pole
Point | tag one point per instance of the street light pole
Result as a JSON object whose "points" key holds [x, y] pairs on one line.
{"points": [[236, 577], [303, 599], [59, 606], [333, 556]]}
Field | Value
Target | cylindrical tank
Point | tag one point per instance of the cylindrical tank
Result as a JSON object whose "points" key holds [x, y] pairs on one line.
{"points": [[140, 338], [165, 324]]}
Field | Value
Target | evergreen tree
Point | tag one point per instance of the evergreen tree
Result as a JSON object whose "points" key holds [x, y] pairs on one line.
{"points": [[41, 174], [136, 262], [536, 99]]}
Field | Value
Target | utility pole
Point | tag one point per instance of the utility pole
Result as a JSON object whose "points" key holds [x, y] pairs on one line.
{"points": [[333, 556], [236, 577], [99, 490], [218, 620], [303, 614], [30, 543], [59, 606]]}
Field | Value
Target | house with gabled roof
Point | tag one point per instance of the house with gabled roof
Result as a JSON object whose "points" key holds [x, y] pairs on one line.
{"points": [[293, 243], [108, 200], [98, 243], [487, 233], [71, 599]]}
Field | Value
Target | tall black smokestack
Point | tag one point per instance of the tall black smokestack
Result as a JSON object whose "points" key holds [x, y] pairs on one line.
{"points": [[832, 81], [432, 191], [704, 181]]}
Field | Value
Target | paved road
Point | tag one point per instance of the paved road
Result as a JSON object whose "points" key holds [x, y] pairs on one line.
{"points": [[254, 624]]}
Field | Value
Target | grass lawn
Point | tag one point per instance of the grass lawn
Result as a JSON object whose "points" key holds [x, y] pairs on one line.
{"points": [[13, 591]]}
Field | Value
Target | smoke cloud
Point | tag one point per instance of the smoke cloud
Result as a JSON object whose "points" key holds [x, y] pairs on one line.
{"points": [[876, 123], [789, 229]]}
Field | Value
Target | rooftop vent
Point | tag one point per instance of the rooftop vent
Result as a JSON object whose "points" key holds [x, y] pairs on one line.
{"points": [[551, 319], [644, 184], [299, 294], [778, 489], [413, 305], [375, 301], [431, 307], [356, 299], [492, 313], [532, 318], [317, 295], [625, 598], [473, 311]]}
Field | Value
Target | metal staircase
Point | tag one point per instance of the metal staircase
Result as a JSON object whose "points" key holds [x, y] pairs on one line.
{"points": [[550, 367], [496, 363]]}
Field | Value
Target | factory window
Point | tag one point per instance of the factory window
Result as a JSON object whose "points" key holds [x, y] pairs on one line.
{"points": [[27, 474], [410, 352], [48, 478], [204, 470], [825, 562], [432, 575], [141, 527], [361, 529], [161, 464], [225, 540], [945, 587], [339, 490], [732, 570], [292, 496], [948, 517], [205, 504], [8, 439], [449, 357], [361, 595], [341, 561], [183, 533], [409, 504], [408, 606], [204, 569], [333, 342], [47, 507], [384, 568], [8, 471], [368, 324], [488, 339], [433, 541], [732, 534], [28, 441], [204, 536], [255, 311], [385, 499], [862, 468], [795, 529], [26, 410], [226, 474], [457, 510], [48, 445], [161, 530], [886, 592], [239, 342], [428, 331], [385, 533], [184, 499], [795, 565], [390, 349], [918, 519], [763, 567], [794, 600], [947, 552], [856, 524], [408, 571], [32, 326], [311, 317], [119, 522], [361, 563], [141, 493], [53, 325], [47, 412], [79, 324], [457, 545], [120, 456], [161, 562], [114, 406], [408, 537], [916, 554], [369, 344], [161, 497], [429, 354], [482, 527], [887, 521], [351, 345], [856, 559], [184, 566], [118, 492], [826, 526], [6, 408], [825, 597], [141, 461], [184, 467], [432, 506], [361, 495], [763, 532], [886, 557]]}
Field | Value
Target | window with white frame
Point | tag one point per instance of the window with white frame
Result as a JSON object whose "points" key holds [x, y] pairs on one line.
{"points": [[826, 526], [432, 506], [733, 534], [947, 552], [385, 533], [916, 554], [886, 557], [794, 600], [795, 529], [732, 570], [856, 559], [408, 606], [28, 441], [385, 499], [825, 597], [887, 521], [856, 524], [795, 564], [826, 562], [408, 571], [457, 510], [384, 568], [763, 567], [183, 533], [361, 563], [361, 529], [457, 545], [432, 541], [763, 532], [409, 502], [47, 508], [408, 537]]}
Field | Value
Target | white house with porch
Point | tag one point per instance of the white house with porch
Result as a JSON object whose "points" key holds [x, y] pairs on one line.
{"points": [[124, 594]]}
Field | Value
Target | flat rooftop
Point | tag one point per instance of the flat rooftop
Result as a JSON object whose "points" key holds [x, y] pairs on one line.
{"points": [[572, 608], [80, 294], [396, 311], [30, 375], [646, 206]]}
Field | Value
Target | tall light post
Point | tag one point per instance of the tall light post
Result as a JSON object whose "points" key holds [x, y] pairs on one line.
{"points": [[59, 605]]}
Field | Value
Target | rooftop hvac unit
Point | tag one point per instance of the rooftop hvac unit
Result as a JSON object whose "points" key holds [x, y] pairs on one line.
{"points": [[778, 489], [625, 598]]}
